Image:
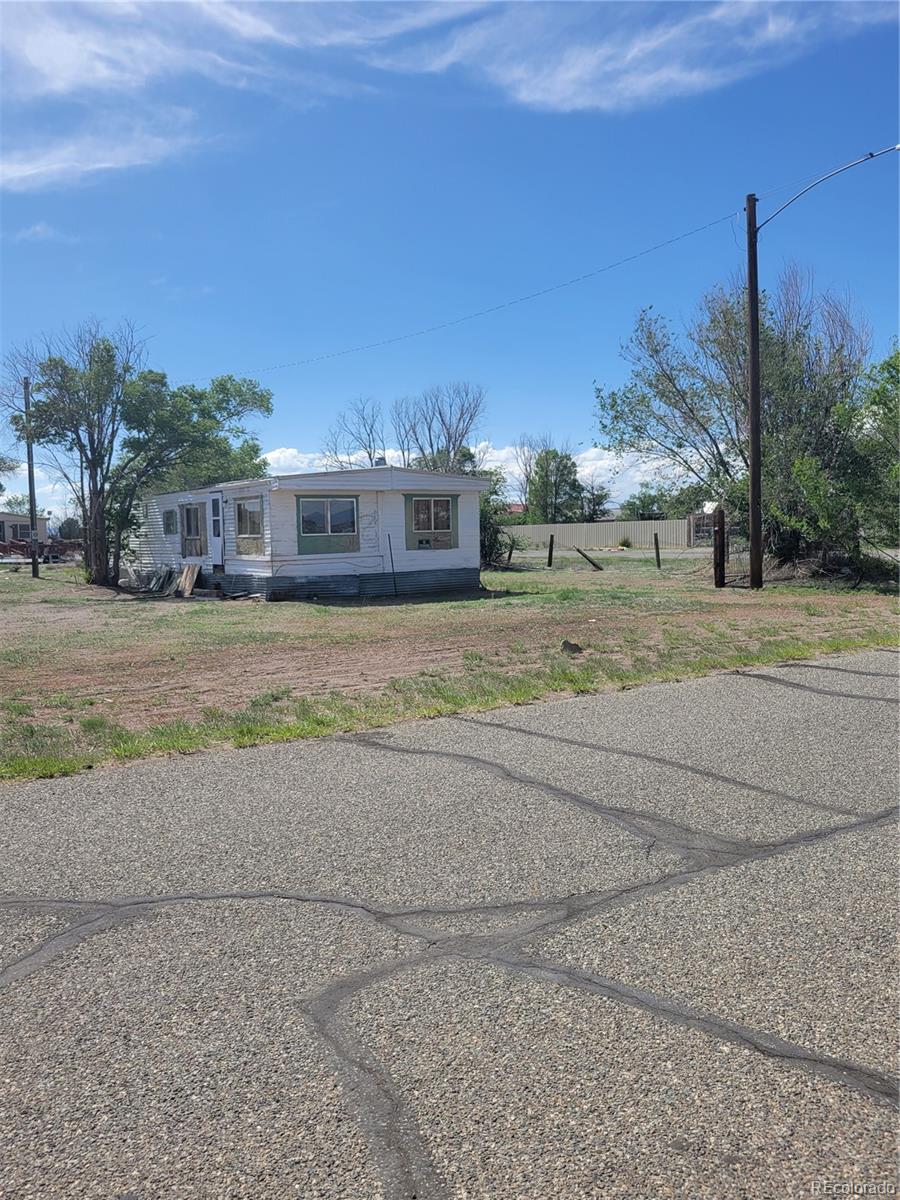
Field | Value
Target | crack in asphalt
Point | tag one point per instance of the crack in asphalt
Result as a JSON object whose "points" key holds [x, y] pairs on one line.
{"points": [[817, 691], [659, 761], [397, 1143], [806, 666], [648, 827], [874, 1084], [405, 1163]]}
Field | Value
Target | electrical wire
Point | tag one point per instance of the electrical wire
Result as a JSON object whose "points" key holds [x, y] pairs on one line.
{"points": [[484, 312], [872, 154], [792, 183], [555, 287]]}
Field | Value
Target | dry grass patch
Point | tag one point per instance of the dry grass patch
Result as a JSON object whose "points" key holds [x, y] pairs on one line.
{"points": [[87, 676]]}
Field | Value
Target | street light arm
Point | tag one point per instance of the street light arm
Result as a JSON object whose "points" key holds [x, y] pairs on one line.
{"points": [[831, 174]]}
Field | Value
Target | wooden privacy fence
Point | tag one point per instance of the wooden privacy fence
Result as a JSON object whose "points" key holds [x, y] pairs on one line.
{"points": [[673, 535]]}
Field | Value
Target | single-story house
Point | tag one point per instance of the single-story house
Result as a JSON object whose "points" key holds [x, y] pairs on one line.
{"points": [[375, 531], [14, 527]]}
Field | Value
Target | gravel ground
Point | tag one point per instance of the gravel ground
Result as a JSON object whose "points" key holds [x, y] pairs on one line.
{"points": [[173, 1057], [635, 944], [525, 1093], [789, 944], [331, 816]]}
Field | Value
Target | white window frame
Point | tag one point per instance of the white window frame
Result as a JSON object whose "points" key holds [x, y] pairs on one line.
{"points": [[173, 512], [243, 502], [327, 501], [431, 500], [199, 507], [241, 540]]}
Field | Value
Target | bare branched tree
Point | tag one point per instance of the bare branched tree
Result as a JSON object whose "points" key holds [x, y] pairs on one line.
{"points": [[357, 437], [595, 494], [526, 448], [432, 431], [441, 423], [402, 419]]}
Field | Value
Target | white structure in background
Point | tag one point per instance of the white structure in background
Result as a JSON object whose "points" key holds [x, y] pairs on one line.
{"points": [[16, 527]]}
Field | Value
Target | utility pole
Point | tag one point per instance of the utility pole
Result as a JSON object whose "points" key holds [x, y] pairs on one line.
{"points": [[32, 498], [753, 385], [753, 406]]}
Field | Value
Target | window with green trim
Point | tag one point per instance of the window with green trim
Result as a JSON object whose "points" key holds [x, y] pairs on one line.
{"points": [[432, 522], [328, 516], [431, 514]]}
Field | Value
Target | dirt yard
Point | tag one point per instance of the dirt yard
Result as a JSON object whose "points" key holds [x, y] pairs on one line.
{"points": [[81, 661]]}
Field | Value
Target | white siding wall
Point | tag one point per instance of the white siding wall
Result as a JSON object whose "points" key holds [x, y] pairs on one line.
{"points": [[8, 519], [286, 560], [152, 547], [247, 564], [380, 513], [467, 554]]}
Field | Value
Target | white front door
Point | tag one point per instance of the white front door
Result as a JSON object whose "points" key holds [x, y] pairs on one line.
{"points": [[216, 540]]}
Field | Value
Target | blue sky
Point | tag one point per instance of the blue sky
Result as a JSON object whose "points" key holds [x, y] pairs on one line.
{"points": [[254, 185]]}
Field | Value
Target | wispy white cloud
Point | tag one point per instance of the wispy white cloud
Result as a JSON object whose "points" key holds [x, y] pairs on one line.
{"points": [[75, 158], [558, 57], [52, 49], [614, 57], [41, 231]]}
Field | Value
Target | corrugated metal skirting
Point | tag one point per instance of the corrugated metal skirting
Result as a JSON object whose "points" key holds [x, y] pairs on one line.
{"points": [[288, 587], [673, 535]]}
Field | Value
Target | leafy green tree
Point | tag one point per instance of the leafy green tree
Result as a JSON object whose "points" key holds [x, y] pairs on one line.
{"points": [[7, 466], [645, 503], [876, 486], [496, 543], [17, 504], [667, 500], [116, 430], [218, 460], [70, 529], [554, 491], [595, 498], [685, 406]]}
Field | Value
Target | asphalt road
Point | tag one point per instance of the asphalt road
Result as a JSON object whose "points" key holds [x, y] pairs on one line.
{"points": [[639, 944]]}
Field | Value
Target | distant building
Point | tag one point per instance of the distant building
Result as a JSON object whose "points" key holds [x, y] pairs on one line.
{"points": [[14, 527]]}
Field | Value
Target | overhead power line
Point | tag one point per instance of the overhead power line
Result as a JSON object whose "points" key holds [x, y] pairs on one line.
{"points": [[484, 312], [555, 287]]}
